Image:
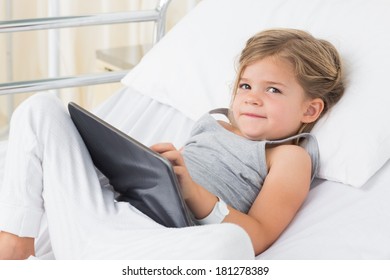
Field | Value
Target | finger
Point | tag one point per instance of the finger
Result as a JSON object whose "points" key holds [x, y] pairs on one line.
{"points": [[174, 157], [162, 147]]}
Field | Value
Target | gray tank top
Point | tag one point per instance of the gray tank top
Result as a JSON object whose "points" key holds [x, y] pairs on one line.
{"points": [[230, 166]]}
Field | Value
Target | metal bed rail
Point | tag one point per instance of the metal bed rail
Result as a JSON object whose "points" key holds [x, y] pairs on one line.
{"points": [[61, 82], [158, 16]]}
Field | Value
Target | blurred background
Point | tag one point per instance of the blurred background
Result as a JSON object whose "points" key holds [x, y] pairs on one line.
{"points": [[72, 51]]}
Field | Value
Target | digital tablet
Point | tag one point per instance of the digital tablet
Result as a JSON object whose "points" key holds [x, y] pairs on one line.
{"points": [[141, 176]]}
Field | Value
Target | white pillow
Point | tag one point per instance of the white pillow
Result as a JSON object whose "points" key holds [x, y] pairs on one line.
{"points": [[192, 69]]}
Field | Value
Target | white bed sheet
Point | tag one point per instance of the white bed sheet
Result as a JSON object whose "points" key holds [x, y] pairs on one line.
{"points": [[340, 222]]}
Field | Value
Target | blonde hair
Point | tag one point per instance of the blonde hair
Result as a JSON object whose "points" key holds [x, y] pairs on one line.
{"points": [[316, 62]]}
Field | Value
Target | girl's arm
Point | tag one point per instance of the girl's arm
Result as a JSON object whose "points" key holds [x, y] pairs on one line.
{"points": [[284, 190]]}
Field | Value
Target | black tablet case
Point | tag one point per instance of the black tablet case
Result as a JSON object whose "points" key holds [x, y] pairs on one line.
{"points": [[143, 177]]}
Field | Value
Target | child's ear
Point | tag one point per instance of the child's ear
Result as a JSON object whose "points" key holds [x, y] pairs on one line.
{"points": [[313, 110]]}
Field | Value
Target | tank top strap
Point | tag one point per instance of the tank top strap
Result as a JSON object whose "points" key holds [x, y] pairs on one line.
{"points": [[222, 111]]}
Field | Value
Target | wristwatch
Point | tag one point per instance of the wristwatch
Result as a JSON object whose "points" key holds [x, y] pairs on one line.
{"points": [[216, 216]]}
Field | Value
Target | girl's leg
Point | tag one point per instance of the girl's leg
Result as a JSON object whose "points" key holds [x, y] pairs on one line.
{"points": [[49, 169]]}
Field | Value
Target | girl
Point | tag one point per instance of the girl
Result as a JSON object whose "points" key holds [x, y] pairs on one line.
{"points": [[286, 80], [250, 171]]}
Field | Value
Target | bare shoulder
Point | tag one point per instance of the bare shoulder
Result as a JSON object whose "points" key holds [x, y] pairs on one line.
{"points": [[290, 154], [289, 165]]}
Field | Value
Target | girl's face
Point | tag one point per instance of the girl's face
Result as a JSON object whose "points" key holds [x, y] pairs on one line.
{"points": [[269, 103]]}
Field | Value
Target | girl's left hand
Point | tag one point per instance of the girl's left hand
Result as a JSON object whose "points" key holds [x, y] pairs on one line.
{"points": [[169, 151]]}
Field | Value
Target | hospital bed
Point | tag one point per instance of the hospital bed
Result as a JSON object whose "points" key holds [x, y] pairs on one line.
{"points": [[191, 70]]}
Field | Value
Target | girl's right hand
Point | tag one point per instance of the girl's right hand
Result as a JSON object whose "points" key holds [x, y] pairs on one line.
{"points": [[198, 199], [168, 150]]}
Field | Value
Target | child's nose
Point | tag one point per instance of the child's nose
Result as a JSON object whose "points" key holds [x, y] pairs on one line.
{"points": [[254, 99]]}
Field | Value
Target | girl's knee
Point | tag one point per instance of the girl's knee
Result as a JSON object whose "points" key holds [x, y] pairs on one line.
{"points": [[40, 102], [37, 106]]}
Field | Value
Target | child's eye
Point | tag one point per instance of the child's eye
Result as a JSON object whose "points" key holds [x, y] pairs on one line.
{"points": [[273, 90], [244, 86]]}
